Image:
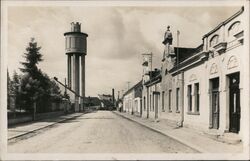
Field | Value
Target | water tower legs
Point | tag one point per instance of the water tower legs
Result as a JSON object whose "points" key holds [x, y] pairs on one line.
{"points": [[83, 80], [69, 70], [76, 81]]}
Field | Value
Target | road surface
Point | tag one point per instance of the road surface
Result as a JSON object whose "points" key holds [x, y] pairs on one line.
{"points": [[97, 132]]}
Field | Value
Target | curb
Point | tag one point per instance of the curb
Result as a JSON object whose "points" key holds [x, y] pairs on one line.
{"points": [[198, 149], [17, 136]]}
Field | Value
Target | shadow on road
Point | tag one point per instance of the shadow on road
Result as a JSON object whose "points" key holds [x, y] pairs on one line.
{"points": [[51, 120]]}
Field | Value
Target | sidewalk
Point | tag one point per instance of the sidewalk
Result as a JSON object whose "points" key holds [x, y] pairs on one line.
{"points": [[25, 128], [187, 136]]}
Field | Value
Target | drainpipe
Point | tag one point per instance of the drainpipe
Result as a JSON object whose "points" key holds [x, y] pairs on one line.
{"points": [[182, 101]]}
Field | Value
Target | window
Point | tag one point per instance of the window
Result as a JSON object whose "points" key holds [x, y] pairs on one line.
{"points": [[177, 99], [163, 95], [197, 97], [144, 103], [234, 28], [166, 71], [169, 100], [150, 105], [189, 98], [214, 40], [153, 104]]}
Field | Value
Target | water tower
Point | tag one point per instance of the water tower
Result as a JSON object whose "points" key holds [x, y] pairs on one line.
{"points": [[76, 49]]}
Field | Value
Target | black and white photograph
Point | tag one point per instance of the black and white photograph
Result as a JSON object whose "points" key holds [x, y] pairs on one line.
{"points": [[124, 80]]}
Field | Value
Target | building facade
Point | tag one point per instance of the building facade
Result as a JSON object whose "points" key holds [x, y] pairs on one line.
{"points": [[132, 100], [152, 97], [211, 80], [200, 87]]}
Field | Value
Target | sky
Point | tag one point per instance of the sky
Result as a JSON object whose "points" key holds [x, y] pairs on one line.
{"points": [[118, 36]]}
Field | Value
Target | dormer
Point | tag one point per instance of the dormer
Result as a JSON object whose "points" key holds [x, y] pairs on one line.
{"points": [[224, 35], [235, 31]]}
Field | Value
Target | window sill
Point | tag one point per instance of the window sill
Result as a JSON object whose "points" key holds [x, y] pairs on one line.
{"points": [[193, 113], [170, 111], [178, 111]]}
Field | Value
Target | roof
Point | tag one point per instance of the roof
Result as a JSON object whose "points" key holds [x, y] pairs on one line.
{"points": [[197, 57], [104, 96], [183, 53], [155, 77], [135, 86]]}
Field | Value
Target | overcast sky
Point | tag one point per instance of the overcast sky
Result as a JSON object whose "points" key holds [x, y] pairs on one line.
{"points": [[117, 38]]}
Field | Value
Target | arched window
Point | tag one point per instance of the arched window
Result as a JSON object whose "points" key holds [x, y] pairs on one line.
{"points": [[214, 40], [233, 28]]}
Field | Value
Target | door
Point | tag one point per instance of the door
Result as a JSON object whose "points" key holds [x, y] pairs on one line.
{"points": [[215, 103], [215, 109], [156, 96], [141, 107], [234, 103]]}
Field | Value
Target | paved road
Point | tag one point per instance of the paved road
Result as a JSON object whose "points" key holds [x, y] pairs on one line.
{"points": [[98, 132]]}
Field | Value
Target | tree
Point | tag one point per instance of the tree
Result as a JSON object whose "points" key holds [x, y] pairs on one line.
{"points": [[9, 86], [16, 88], [30, 83], [36, 86], [32, 57]]}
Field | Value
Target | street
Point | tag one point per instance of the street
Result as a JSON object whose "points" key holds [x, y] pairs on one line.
{"points": [[98, 132]]}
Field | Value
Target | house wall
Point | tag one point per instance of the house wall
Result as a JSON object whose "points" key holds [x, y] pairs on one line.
{"points": [[137, 106], [219, 65], [144, 101], [168, 83], [128, 102], [194, 118], [154, 90], [221, 61]]}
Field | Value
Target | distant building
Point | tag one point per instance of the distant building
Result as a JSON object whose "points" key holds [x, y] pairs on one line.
{"points": [[106, 101]]}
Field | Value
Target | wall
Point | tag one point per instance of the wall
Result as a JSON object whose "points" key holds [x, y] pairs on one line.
{"points": [[194, 118], [151, 99], [137, 106], [30, 118], [168, 83], [220, 63], [128, 102]]}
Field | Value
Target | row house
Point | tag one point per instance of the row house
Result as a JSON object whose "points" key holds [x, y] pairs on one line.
{"points": [[152, 94], [201, 87], [132, 99]]}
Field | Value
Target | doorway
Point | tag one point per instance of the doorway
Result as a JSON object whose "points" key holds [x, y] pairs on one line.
{"points": [[234, 103], [215, 103], [156, 103]]}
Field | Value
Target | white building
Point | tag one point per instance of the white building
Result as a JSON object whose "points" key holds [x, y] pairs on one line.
{"points": [[203, 87], [132, 100]]}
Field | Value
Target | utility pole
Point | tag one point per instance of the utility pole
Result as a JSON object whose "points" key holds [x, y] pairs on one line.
{"points": [[65, 90], [181, 79], [150, 77]]}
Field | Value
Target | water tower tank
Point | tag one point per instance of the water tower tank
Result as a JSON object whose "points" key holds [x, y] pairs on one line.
{"points": [[76, 41]]}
